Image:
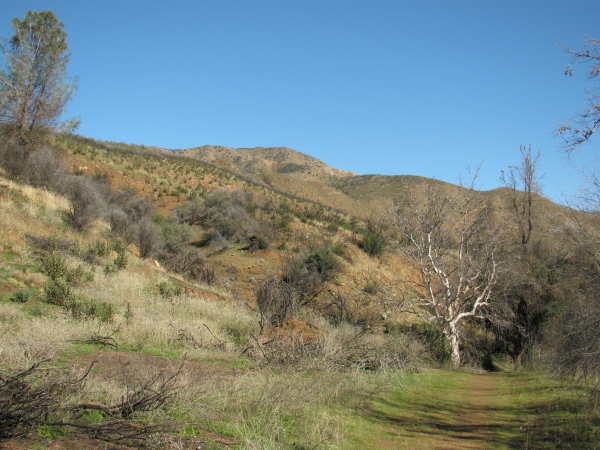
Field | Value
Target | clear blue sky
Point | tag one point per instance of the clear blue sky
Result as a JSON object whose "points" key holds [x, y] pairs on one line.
{"points": [[389, 87]]}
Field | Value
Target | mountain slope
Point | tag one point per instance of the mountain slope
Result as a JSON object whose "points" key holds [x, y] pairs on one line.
{"points": [[270, 159]]}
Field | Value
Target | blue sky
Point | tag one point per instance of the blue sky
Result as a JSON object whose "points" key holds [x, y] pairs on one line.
{"points": [[390, 87]]}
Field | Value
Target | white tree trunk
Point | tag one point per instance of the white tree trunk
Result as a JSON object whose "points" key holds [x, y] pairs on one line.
{"points": [[452, 334]]}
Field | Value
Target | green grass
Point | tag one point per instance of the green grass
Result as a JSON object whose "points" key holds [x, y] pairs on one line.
{"points": [[555, 414], [524, 410]]}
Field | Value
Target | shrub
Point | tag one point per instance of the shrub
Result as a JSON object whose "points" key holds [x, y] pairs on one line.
{"points": [[90, 308], [258, 242], [45, 168], [99, 248], [55, 266], [277, 302], [149, 238], [121, 261], [78, 276], [169, 290], [87, 204], [373, 244], [119, 246], [13, 156], [323, 263], [20, 296], [58, 292]]}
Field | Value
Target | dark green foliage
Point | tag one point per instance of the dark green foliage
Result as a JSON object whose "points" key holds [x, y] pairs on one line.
{"points": [[58, 292], [90, 309], [78, 276], [121, 261], [99, 248], [20, 296], [291, 168], [258, 242], [55, 266], [322, 262], [169, 290], [373, 244], [438, 345]]}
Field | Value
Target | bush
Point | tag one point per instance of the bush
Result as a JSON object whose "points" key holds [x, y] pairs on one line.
{"points": [[20, 296], [89, 309], [13, 156], [373, 244], [121, 261], [149, 238], [229, 214], [99, 248], [323, 263], [277, 302], [45, 168], [258, 242], [78, 276], [87, 203], [55, 266], [169, 290], [58, 292]]}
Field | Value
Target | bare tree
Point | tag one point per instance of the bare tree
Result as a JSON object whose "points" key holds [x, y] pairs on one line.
{"points": [[523, 182], [584, 124], [454, 251]]}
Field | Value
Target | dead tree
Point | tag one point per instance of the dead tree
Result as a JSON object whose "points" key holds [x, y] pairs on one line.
{"points": [[454, 251]]}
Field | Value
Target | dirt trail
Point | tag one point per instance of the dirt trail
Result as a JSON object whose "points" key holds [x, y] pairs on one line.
{"points": [[451, 410]]}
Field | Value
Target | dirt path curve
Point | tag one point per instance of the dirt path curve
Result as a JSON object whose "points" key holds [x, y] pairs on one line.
{"points": [[449, 410]]}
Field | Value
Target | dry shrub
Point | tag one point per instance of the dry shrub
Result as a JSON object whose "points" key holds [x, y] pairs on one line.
{"points": [[34, 279], [184, 322], [270, 410], [288, 407], [44, 396]]}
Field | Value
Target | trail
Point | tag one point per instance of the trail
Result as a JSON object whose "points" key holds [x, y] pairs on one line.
{"points": [[449, 410]]}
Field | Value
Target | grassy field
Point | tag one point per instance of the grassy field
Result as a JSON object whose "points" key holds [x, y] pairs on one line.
{"points": [[90, 328]]}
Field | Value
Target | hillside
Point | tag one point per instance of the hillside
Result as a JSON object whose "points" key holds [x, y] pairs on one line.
{"points": [[273, 300], [363, 196]]}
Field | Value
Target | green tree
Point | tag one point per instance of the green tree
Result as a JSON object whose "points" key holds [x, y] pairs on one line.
{"points": [[34, 87]]}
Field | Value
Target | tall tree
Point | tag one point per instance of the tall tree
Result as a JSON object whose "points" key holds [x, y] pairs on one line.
{"points": [[523, 183], [454, 251], [581, 128], [34, 87]]}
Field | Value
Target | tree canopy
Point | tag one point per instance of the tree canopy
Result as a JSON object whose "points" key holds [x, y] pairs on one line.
{"points": [[34, 86]]}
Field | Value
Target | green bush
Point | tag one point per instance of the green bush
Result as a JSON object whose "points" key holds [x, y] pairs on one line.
{"points": [[20, 296], [258, 242], [58, 292], [169, 290], [78, 276], [373, 244], [121, 261], [55, 266], [99, 248], [322, 262], [89, 309]]}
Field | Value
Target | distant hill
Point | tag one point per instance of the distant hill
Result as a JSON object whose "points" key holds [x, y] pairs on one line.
{"points": [[271, 159], [301, 175]]}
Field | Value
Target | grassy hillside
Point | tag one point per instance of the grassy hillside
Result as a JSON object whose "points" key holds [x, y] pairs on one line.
{"points": [[109, 336]]}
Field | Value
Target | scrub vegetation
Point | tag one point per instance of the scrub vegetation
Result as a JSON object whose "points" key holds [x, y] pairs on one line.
{"points": [[152, 299]]}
